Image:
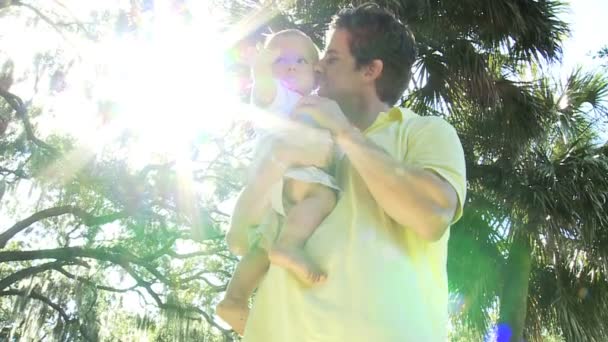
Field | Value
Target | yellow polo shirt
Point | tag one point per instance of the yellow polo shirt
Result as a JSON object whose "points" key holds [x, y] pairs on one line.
{"points": [[384, 282]]}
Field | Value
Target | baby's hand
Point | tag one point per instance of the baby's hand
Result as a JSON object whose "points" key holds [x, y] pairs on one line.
{"points": [[265, 58]]}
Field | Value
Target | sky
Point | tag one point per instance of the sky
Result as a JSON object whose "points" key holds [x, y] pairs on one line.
{"points": [[588, 21]]}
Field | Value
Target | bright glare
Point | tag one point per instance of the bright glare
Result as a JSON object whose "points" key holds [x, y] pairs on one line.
{"points": [[168, 83], [564, 102]]}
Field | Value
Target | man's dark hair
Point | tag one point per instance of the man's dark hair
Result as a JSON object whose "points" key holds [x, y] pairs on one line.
{"points": [[375, 33]]}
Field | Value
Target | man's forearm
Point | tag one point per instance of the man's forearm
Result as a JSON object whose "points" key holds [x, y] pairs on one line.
{"points": [[414, 197]]}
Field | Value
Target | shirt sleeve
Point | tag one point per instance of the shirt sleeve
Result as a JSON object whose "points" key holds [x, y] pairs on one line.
{"points": [[433, 144]]}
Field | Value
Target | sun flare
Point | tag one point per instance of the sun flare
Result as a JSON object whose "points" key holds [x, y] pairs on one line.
{"points": [[169, 85]]}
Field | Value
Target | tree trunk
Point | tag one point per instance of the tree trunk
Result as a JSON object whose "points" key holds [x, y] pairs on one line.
{"points": [[513, 302]]}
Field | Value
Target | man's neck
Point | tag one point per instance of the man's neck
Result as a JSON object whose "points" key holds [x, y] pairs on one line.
{"points": [[363, 111]]}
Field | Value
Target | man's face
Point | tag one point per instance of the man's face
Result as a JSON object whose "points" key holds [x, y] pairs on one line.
{"points": [[337, 74]]}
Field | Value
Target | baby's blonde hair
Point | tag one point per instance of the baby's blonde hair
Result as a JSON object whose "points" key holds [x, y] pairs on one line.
{"points": [[294, 33]]}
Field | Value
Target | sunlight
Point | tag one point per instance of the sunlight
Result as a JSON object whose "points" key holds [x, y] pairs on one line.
{"points": [[563, 102], [166, 83], [170, 85]]}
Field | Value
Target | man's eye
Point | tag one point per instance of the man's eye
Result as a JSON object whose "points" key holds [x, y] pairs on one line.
{"points": [[280, 60], [331, 60], [302, 61]]}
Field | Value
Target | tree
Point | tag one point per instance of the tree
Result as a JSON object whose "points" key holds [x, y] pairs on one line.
{"points": [[544, 254], [90, 240]]}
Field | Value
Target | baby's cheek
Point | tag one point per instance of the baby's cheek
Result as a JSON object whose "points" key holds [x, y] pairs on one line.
{"points": [[309, 78], [278, 71]]}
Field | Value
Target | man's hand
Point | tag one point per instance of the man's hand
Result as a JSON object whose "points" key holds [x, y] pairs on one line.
{"points": [[326, 112], [301, 145]]}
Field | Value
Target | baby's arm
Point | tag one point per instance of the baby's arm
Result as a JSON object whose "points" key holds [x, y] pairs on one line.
{"points": [[264, 85]]}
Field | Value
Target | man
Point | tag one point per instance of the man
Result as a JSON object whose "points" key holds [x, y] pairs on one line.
{"points": [[384, 246]]}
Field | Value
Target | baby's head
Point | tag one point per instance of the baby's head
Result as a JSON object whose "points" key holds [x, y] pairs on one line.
{"points": [[294, 66]]}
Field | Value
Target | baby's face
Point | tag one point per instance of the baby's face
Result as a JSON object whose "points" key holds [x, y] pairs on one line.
{"points": [[294, 66]]}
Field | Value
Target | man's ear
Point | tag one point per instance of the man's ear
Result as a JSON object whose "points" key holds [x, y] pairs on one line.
{"points": [[374, 69]]}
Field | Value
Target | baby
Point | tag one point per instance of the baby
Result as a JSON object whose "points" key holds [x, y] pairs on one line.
{"points": [[283, 73]]}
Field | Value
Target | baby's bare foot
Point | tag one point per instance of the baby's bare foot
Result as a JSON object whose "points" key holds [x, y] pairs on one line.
{"points": [[234, 313], [299, 263]]}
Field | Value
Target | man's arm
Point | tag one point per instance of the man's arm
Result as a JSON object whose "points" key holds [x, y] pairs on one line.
{"points": [[413, 196]]}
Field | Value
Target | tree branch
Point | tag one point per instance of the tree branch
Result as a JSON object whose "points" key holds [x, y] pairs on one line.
{"points": [[38, 296], [207, 317], [92, 283], [28, 272], [35, 295], [42, 16], [117, 256], [145, 284], [199, 275], [88, 219], [123, 261], [17, 104], [174, 254], [77, 22], [18, 173], [216, 288], [162, 251]]}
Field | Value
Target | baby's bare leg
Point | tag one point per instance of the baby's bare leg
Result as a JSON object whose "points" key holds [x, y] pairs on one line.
{"points": [[313, 203], [234, 308]]}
